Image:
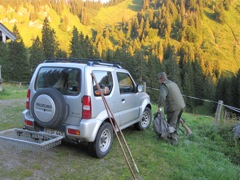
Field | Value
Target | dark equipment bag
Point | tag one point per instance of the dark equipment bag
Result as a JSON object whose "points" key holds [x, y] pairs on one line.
{"points": [[160, 125]]}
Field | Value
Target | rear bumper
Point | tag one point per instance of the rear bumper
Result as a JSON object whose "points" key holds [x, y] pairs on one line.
{"points": [[26, 117], [88, 128]]}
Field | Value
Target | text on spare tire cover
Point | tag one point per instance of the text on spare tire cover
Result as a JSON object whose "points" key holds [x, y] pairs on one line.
{"points": [[44, 105]]}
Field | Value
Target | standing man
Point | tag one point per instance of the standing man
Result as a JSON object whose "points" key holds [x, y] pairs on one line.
{"points": [[171, 98]]}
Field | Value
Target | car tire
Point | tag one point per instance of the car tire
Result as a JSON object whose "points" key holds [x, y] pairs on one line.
{"points": [[103, 142], [145, 121], [49, 108]]}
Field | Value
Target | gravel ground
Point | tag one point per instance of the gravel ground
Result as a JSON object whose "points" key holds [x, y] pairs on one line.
{"points": [[12, 102], [66, 161], [11, 158], [60, 162]]}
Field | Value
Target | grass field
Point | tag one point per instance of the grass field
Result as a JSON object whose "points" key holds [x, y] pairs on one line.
{"points": [[13, 91], [210, 152]]}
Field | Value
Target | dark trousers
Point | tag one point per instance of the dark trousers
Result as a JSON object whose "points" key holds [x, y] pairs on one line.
{"points": [[173, 119]]}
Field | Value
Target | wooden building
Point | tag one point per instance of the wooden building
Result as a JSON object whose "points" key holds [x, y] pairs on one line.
{"points": [[5, 35]]}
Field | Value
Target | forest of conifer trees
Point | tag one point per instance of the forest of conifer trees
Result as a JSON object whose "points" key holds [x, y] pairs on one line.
{"points": [[174, 20]]}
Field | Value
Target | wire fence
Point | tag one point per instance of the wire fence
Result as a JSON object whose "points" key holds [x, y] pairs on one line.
{"points": [[229, 112]]}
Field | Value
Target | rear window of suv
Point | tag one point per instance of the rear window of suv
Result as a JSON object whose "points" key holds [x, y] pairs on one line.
{"points": [[65, 80]]}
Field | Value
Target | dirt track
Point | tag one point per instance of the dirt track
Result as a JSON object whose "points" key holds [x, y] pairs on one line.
{"points": [[10, 102], [10, 157]]}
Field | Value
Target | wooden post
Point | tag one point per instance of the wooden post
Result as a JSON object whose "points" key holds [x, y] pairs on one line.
{"points": [[0, 79], [218, 112]]}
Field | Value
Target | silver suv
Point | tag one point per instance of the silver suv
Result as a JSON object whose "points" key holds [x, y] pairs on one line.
{"points": [[63, 99]]}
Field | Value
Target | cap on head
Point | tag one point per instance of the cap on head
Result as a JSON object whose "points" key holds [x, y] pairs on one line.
{"points": [[162, 75]]}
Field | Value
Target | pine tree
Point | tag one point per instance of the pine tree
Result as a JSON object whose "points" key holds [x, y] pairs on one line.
{"points": [[129, 29], [49, 40], [89, 50], [188, 89], [145, 4], [147, 30], [140, 67], [107, 33], [109, 55], [82, 49], [61, 53], [118, 57], [3, 58], [17, 64], [224, 93], [172, 67], [154, 67], [135, 26], [100, 47], [36, 54], [167, 26], [198, 82], [209, 88], [235, 92], [140, 29], [75, 44], [151, 15]]}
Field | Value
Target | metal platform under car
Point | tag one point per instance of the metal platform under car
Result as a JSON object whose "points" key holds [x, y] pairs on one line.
{"points": [[29, 140]]}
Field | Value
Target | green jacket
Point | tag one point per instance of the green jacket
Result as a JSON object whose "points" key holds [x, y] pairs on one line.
{"points": [[170, 96]]}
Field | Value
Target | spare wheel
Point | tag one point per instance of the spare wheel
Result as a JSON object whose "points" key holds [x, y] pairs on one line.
{"points": [[49, 108]]}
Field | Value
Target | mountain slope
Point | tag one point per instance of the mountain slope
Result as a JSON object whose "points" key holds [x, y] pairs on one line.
{"points": [[114, 14], [223, 39], [219, 42], [29, 30]]}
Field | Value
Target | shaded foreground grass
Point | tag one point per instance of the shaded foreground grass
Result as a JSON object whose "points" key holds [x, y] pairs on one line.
{"points": [[209, 153]]}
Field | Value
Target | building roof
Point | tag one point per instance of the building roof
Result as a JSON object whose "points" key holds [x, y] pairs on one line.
{"points": [[6, 34]]}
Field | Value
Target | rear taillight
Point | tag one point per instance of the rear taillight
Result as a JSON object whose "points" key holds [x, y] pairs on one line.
{"points": [[74, 132], [86, 107], [28, 99], [28, 123]]}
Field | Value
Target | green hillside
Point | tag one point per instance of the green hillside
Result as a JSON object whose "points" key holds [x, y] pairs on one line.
{"points": [[112, 15], [105, 16], [219, 42], [223, 39]]}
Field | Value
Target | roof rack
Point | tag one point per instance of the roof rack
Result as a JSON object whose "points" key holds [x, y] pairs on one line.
{"points": [[89, 62], [76, 60], [112, 64]]}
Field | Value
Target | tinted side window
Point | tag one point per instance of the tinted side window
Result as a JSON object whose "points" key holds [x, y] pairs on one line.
{"points": [[105, 81], [125, 83], [65, 80]]}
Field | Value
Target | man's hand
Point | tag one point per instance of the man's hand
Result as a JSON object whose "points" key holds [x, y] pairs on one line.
{"points": [[159, 109]]}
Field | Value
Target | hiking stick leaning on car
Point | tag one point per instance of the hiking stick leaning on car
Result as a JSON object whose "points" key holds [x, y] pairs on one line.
{"points": [[114, 123]]}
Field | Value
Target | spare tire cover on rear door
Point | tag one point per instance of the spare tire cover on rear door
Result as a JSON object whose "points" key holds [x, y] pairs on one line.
{"points": [[49, 107]]}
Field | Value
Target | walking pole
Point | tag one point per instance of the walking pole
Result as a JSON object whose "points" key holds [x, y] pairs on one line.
{"points": [[110, 112], [135, 165]]}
